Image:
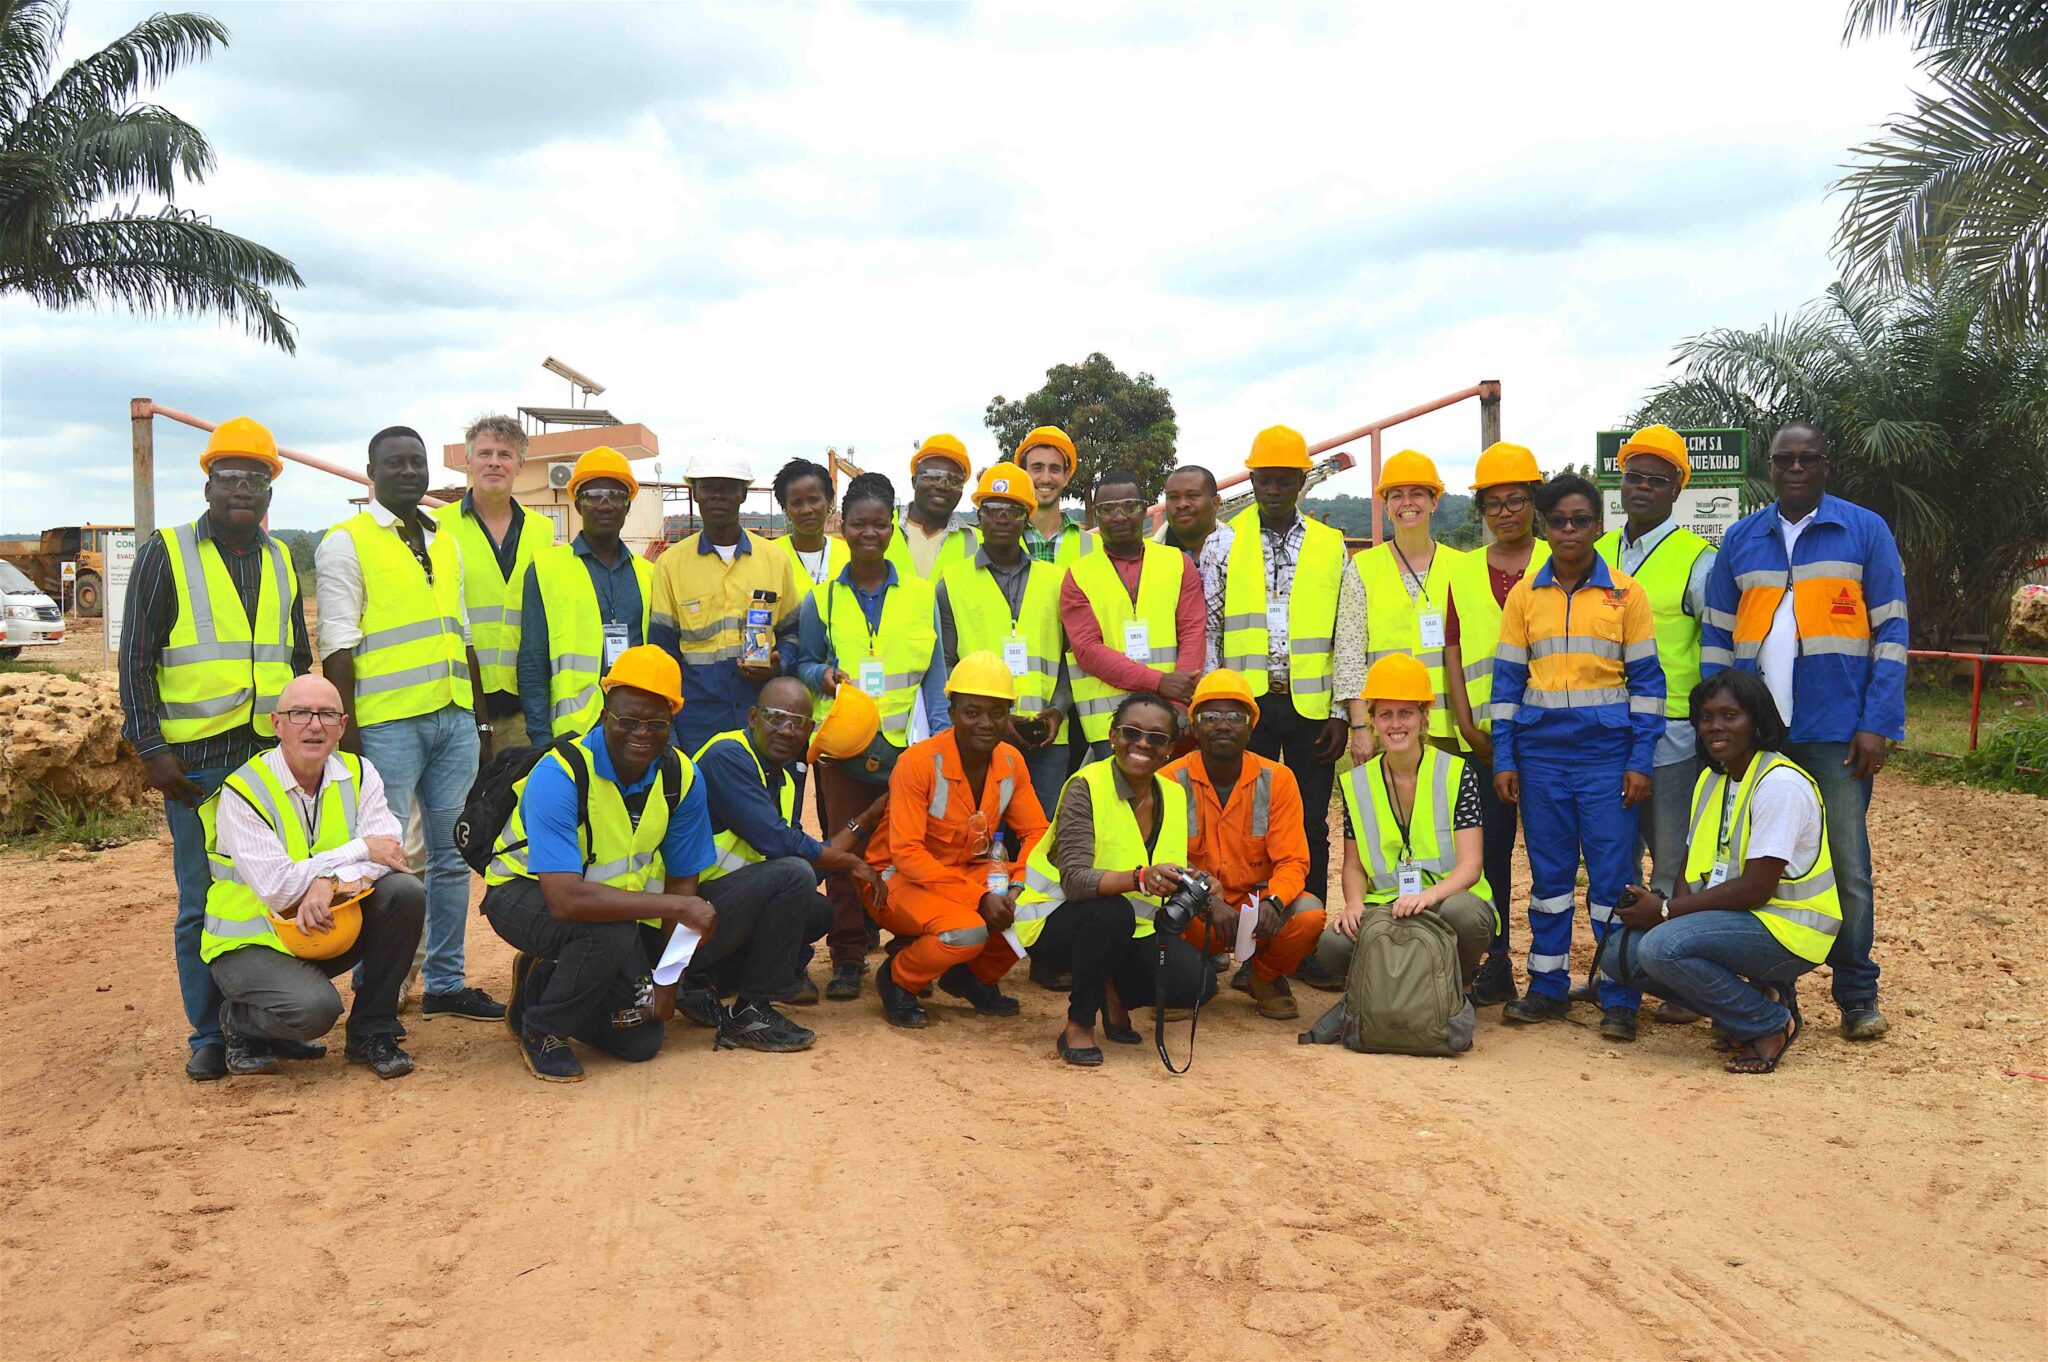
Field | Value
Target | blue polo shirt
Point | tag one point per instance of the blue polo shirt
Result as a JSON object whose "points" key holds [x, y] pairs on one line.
{"points": [[554, 841]]}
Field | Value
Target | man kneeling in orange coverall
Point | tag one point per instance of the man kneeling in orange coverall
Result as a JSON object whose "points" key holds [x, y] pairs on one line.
{"points": [[952, 895]]}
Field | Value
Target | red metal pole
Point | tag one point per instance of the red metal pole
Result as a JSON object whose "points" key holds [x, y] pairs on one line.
{"points": [[1976, 699], [296, 456], [1370, 494]]}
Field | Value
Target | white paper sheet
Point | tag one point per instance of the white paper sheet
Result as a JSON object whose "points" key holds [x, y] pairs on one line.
{"points": [[682, 946]]}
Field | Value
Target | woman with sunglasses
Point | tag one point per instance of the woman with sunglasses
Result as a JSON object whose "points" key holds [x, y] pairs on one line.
{"points": [[1755, 906], [1504, 491], [1118, 846]]}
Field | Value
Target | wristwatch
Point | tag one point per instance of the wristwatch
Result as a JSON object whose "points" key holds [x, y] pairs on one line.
{"points": [[1664, 910], [853, 825], [1356, 727]]}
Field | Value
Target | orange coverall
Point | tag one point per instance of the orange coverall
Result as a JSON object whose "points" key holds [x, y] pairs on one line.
{"points": [[934, 851], [1222, 843]]}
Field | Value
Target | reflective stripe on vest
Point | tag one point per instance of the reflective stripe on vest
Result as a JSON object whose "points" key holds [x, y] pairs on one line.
{"points": [[1479, 627], [907, 640], [959, 545], [1119, 845], [733, 851], [576, 634], [1393, 618], [616, 851], [1664, 576], [411, 658], [982, 623], [218, 670], [235, 917], [1262, 802], [1804, 914], [1006, 788], [1311, 611], [1159, 581], [490, 599], [1432, 830]]}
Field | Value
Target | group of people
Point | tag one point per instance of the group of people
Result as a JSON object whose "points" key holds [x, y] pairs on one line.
{"points": [[1021, 736]]}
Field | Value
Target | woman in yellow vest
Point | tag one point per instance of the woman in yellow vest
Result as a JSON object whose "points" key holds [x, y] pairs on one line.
{"points": [[1118, 845], [1756, 905], [803, 490]]}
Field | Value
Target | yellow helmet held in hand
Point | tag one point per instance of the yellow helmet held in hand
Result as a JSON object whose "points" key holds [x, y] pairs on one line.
{"points": [[602, 462], [348, 925], [1398, 676], [1278, 447], [982, 674], [1006, 482], [1223, 684], [1409, 469], [1503, 462], [650, 669], [848, 726], [241, 437], [1659, 442]]}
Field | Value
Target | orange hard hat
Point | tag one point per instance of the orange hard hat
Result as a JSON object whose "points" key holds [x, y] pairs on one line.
{"points": [[849, 725], [1278, 447], [1659, 442], [1052, 437], [650, 669], [1224, 684], [1409, 469], [945, 447], [348, 925], [240, 437], [1503, 462], [1398, 676], [1006, 482], [602, 462]]}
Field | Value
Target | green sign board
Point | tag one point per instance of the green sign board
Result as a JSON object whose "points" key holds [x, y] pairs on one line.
{"points": [[1720, 458]]}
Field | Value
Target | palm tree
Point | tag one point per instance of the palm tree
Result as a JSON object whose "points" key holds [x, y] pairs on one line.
{"points": [[1961, 183], [1935, 419], [71, 148]]}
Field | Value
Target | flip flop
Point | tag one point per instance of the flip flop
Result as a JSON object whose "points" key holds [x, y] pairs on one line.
{"points": [[1739, 1063], [1085, 1057]]}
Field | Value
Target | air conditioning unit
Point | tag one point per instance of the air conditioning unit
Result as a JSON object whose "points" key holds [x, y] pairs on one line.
{"points": [[558, 475]]}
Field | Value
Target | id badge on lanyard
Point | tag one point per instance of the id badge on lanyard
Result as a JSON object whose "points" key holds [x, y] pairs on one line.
{"points": [[871, 677], [1016, 657], [614, 644], [1138, 641], [1430, 623], [1411, 878], [1718, 874]]}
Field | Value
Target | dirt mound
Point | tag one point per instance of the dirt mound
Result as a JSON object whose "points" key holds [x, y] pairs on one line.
{"points": [[61, 739], [2026, 627]]}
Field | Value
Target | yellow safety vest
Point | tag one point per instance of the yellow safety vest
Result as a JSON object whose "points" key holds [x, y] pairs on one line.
{"points": [[1072, 542], [982, 623], [1119, 845], [734, 852], [1805, 913], [1479, 627], [214, 675], [905, 644], [1664, 575], [410, 661], [837, 555], [1431, 845], [1393, 620], [1096, 700], [960, 543], [491, 599], [576, 634], [235, 917], [1311, 611]]}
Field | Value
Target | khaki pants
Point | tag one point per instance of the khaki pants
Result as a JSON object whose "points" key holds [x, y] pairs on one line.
{"points": [[1470, 916]]}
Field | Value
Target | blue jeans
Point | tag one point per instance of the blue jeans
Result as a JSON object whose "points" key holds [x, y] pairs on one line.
{"points": [[1704, 959], [188, 866], [431, 760], [1848, 808]]}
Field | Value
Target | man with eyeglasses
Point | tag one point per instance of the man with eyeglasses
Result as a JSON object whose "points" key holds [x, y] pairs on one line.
{"points": [[926, 542], [1809, 593], [584, 603], [214, 631], [1051, 535]]}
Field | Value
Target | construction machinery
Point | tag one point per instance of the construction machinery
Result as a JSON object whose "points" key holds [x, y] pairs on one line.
{"points": [[42, 562]]}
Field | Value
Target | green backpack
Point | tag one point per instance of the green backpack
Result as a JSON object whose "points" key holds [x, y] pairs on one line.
{"points": [[1403, 996]]}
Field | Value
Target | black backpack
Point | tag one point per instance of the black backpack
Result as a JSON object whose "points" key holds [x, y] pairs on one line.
{"points": [[493, 794]]}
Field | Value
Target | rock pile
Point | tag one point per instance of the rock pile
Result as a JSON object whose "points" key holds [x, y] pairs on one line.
{"points": [[2026, 628], [61, 739]]}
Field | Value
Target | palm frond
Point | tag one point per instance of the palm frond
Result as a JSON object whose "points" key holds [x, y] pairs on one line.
{"points": [[143, 148], [114, 75], [29, 33], [1954, 34]]}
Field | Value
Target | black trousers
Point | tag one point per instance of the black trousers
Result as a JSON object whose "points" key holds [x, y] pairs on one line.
{"points": [[1093, 938], [1499, 821], [1285, 736], [767, 914], [586, 971]]}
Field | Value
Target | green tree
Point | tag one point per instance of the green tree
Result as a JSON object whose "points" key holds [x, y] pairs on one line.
{"points": [[1114, 420], [1935, 418], [72, 147], [301, 544], [1959, 185]]}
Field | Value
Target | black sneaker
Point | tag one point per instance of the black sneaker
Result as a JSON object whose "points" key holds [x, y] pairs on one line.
{"points": [[845, 984], [299, 1049], [1862, 1021], [697, 1002], [515, 1010], [1618, 1023], [986, 999], [549, 1058], [208, 1063], [246, 1055], [1536, 1007], [1045, 976], [1495, 982], [1316, 977], [758, 1026], [899, 1006], [382, 1054], [470, 1004], [802, 993]]}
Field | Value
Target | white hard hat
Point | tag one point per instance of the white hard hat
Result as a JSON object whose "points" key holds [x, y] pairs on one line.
{"points": [[720, 460]]}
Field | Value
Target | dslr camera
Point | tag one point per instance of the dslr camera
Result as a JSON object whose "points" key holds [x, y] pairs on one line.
{"points": [[1184, 904]]}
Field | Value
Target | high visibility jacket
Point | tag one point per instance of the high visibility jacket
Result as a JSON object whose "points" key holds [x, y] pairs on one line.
{"points": [[983, 623], [1849, 598], [960, 543], [1251, 839], [940, 836], [411, 659], [1119, 845], [1804, 913], [837, 554], [734, 852], [220, 670], [1479, 627], [905, 643], [1393, 621], [1311, 611], [1096, 700], [235, 917], [1068, 544], [1431, 844], [1665, 574], [576, 634], [490, 598]]}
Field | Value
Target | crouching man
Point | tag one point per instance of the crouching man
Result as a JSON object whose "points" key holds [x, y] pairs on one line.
{"points": [[294, 838]]}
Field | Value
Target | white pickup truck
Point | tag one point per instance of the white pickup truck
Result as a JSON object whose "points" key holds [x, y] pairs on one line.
{"points": [[33, 619]]}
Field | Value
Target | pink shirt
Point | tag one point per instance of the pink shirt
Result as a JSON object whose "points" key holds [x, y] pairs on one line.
{"points": [[1084, 635]]}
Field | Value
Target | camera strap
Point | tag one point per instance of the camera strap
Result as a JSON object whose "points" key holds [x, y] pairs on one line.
{"points": [[1159, 1000]]}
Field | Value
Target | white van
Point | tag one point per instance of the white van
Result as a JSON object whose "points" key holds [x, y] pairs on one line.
{"points": [[32, 619]]}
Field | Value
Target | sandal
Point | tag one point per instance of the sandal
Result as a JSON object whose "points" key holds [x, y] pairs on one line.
{"points": [[1085, 1057], [1747, 1061]]}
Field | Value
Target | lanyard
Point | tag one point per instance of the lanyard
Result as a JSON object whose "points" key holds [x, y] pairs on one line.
{"points": [[1279, 563], [1420, 579], [1394, 807], [816, 574], [601, 581]]}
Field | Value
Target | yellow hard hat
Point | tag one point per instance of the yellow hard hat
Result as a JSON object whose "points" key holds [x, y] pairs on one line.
{"points": [[982, 673], [1006, 482], [1408, 469], [946, 447], [1398, 676], [1224, 684], [1503, 462], [241, 438], [1052, 437], [848, 726], [348, 925], [1660, 442], [1278, 447], [602, 462], [650, 669]]}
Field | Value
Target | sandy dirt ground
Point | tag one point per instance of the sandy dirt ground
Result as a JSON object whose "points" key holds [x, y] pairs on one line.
{"points": [[957, 1193]]}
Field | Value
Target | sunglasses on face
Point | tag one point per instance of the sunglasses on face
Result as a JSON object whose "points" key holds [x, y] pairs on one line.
{"points": [[1656, 482], [1786, 462], [1143, 737], [630, 727], [1581, 521], [1512, 504]]}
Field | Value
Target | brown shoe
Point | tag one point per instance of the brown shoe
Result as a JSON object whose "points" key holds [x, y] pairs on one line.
{"points": [[1274, 1000]]}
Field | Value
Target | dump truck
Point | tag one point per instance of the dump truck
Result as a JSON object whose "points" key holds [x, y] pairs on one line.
{"points": [[42, 562]]}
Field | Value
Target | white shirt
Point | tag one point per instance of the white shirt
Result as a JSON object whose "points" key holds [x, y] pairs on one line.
{"points": [[259, 854], [1784, 821], [1677, 743], [340, 588], [1780, 649]]}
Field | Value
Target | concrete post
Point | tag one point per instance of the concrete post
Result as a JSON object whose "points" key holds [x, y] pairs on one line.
{"points": [[1489, 413], [142, 432]]}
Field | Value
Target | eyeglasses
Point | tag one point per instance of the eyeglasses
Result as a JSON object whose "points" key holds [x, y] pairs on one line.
{"points": [[1656, 482], [1581, 521], [939, 477], [326, 718], [978, 839], [1787, 462], [629, 727], [1224, 718], [1143, 737], [604, 496], [1001, 510], [782, 721], [1130, 507], [1512, 504], [242, 482]]}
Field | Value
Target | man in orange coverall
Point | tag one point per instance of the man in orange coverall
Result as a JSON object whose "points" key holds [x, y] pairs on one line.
{"points": [[1245, 833], [951, 893]]}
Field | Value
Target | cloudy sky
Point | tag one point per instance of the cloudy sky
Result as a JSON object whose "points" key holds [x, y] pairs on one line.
{"points": [[793, 226]]}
